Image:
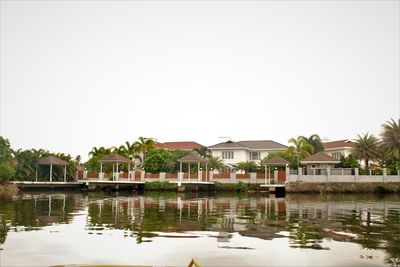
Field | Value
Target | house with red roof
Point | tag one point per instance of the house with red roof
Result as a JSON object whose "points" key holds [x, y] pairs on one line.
{"points": [[179, 145], [338, 148]]}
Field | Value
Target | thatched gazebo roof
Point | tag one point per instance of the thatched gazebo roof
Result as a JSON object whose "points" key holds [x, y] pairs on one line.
{"points": [[51, 160], [115, 158], [193, 157], [277, 161]]}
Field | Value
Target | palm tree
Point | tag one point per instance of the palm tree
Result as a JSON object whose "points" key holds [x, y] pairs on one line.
{"points": [[216, 163], [247, 166], [391, 138], [299, 148], [142, 146], [315, 141], [366, 148]]}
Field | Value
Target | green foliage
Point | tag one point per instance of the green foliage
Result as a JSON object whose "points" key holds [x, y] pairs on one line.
{"points": [[247, 166], [203, 151], [5, 150], [300, 148], [391, 163], [285, 155], [216, 163], [160, 186], [391, 138], [348, 162], [159, 160], [366, 148], [7, 171], [315, 141]]}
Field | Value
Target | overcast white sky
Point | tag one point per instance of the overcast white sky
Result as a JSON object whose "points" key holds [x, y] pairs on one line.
{"points": [[80, 74]]}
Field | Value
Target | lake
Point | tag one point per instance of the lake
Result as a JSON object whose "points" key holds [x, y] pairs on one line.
{"points": [[169, 229]]}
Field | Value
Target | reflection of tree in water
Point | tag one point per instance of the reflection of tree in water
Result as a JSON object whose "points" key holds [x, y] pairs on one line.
{"points": [[3, 229], [34, 212], [309, 221]]}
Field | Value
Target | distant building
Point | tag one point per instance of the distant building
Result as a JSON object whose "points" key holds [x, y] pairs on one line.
{"points": [[234, 152], [182, 145], [319, 160], [338, 148]]}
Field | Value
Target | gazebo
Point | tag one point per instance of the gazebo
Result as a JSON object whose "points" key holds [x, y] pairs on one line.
{"points": [[52, 160], [114, 158], [274, 161], [190, 158]]}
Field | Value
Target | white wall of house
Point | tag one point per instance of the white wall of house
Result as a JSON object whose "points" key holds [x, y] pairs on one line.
{"points": [[238, 155], [335, 152]]}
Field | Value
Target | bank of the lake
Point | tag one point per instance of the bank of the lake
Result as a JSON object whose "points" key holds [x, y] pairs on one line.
{"points": [[8, 188], [301, 187]]}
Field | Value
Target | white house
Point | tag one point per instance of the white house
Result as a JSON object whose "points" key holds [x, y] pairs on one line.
{"points": [[338, 148], [233, 152]]}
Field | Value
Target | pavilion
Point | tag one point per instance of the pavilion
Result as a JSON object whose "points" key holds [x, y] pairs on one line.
{"points": [[192, 158], [114, 158], [52, 160], [273, 162]]}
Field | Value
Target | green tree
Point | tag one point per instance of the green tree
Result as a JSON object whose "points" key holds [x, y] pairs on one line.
{"points": [[300, 148], [348, 162], [159, 160], [216, 163], [315, 141], [391, 138], [366, 148], [7, 171], [5, 150], [247, 166], [143, 146], [203, 151]]}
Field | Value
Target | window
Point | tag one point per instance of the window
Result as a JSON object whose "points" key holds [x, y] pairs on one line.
{"points": [[254, 155], [337, 155], [227, 155]]}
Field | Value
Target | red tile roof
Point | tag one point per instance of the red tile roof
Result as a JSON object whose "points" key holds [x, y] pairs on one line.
{"points": [[184, 145], [338, 144]]}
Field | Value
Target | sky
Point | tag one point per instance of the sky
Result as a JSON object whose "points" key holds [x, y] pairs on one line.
{"points": [[78, 74]]}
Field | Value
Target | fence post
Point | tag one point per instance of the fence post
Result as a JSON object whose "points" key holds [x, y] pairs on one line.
{"points": [[287, 173], [299, 173], [328, 174], [253, 177], [232, 177], [384, 173], [161, 176], [355, 174], [142, 175], [211, 176], [200, 176], [276, 176]]}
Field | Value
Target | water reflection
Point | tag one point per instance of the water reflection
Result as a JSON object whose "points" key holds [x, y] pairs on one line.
{"points": [[306, 221]]}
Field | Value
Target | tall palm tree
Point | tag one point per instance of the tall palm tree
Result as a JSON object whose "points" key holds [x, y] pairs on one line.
{"points": [[366, 148], [299, 148], [143, 145], [391, 138], [315, 141], [216, 163]]}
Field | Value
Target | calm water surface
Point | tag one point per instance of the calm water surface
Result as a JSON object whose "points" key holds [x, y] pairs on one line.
{"points": [[218, 230]]}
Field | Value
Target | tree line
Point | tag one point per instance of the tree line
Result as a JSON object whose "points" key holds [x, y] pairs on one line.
{"points": [[21, 164]]}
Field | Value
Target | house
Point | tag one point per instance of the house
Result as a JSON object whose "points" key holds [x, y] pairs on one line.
{"points": [[182, 145], [338, 148], [319, 160], [232, 152]]}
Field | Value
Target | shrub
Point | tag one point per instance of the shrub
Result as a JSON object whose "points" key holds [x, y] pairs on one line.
{"points": [[160, 186], [7, 171]]}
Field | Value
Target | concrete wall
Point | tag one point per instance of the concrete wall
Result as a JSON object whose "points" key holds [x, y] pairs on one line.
{"points": [[344, 178]]}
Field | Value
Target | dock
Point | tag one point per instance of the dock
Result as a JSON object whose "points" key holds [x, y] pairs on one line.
{"points": [[90, 185]]}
